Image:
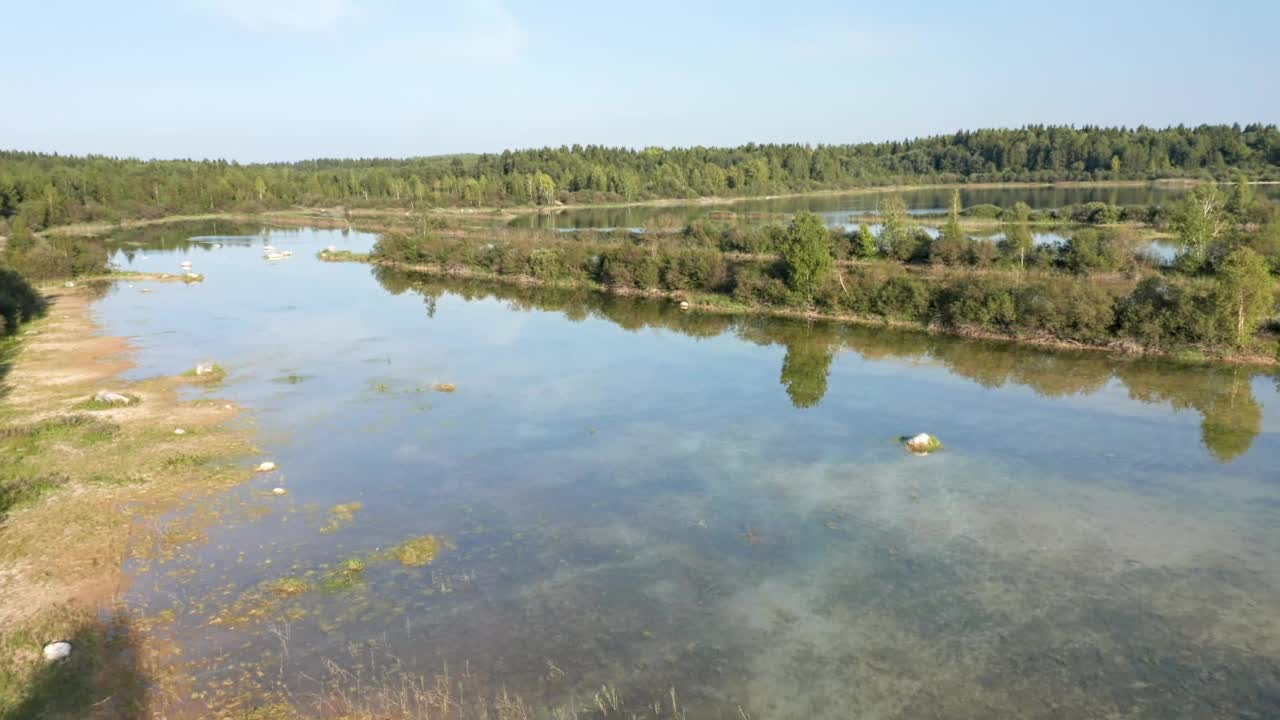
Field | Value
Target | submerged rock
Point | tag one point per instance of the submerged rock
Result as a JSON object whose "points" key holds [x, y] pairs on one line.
{"points": [[112, 398], [922, 444], [266, 466], [56, 651]]}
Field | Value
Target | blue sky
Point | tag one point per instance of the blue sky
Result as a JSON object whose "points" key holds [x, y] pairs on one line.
{"points": [[290, 79]]}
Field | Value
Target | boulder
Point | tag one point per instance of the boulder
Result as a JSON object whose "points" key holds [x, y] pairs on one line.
{"points": [[55, 651], [112, 398], [922, 444], [266, 466], [684, 304], [204, 369], [279, 491], [444, 387]]}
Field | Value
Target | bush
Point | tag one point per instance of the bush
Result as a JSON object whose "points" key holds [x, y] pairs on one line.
{"points": [[985, 210], [903, 297]]}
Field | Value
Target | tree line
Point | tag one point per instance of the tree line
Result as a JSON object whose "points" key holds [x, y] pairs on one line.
{"points": [[46, 190]]}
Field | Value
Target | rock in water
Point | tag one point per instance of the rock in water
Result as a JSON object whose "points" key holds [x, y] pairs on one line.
{"points": [[684, 304], [56, 651], [444, 387], [923, 444], [204, 369], [267, 466], [279, 491], [111, 398]]}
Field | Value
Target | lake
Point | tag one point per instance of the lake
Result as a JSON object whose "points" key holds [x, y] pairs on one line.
{"points": [[843, 209], [708, 509]]}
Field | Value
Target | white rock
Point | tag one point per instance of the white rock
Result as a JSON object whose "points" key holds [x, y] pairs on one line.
{"points": [[179, 431], [70, 284], [331, 248], [204, 368], [278, 491], [56, 651], [112, 398], [684, 304], [267, 466], [922, 443]]}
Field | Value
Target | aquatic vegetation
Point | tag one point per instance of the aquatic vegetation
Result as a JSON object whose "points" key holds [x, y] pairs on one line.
{"points": [[347, 574], [210, 373], [341, 515], [289, 587], [418, 551], [291, 379]]}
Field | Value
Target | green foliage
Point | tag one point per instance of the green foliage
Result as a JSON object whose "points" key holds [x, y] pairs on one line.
{"points": [[866, 247], [1198, 219], [1244, 294], [807, 254]]}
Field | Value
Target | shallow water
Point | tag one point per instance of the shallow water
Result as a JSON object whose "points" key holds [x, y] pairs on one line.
{"points": [[844, 209], [634, 496]]}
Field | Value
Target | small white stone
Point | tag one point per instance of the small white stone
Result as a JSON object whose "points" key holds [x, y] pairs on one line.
{"points": [[56, 651], [179, 431], [684, 304], [204, 368], [70, 284], [279, 491], [266, 466]]}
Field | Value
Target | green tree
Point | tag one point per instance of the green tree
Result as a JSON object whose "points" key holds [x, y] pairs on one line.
{"points": [[543, 189], [866, 242], [1017, 233], [894, 231], [1244, 294], [807, 254], [1198, 220], [950, 247], [1241, 201]]}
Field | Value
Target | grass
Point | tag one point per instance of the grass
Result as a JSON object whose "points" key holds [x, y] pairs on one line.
{"points": [[216, 375]]}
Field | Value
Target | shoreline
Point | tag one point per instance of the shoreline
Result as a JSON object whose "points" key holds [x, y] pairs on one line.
{"points": [[338, 215], [723, 305], [88, 488]]}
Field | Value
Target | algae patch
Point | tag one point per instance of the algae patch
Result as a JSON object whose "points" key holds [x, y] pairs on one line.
{"points": [[341, 515]]}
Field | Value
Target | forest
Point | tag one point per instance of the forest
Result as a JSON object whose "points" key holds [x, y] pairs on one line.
{"points": [[38, 191]]}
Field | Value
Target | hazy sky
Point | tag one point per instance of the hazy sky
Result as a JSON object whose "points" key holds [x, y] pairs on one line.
{"points": [[290, 79]]}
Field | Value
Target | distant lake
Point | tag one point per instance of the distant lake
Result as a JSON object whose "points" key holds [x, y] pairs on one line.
{"points": [[658, 501], [838, 209]]}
